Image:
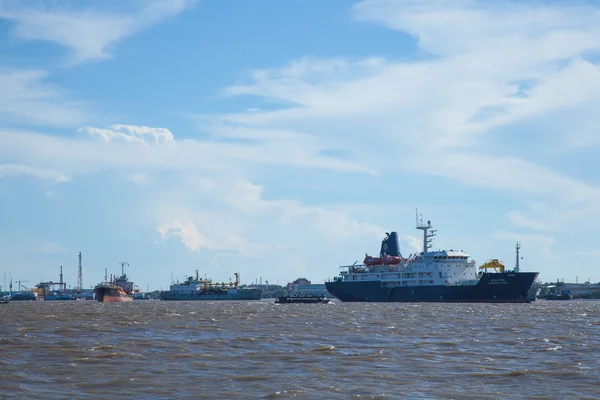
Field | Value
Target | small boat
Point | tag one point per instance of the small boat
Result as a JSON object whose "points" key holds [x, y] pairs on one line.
{"points": [[305, 299], [140, 296], [563, 295], [5, 299], [58, 296]]}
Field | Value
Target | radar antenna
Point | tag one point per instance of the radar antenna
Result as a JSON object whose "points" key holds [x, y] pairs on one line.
{"points": [[123, 267], [428, 232], [517, 263]]}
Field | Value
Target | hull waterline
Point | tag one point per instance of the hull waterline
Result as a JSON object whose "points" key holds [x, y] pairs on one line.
{"points": [[244, 294]]}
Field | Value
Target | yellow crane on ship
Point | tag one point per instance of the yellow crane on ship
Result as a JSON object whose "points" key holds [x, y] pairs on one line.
{"points": [[495, 264]]}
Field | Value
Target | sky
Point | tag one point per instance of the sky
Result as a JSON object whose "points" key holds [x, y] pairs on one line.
{"points": [[283, 139]]}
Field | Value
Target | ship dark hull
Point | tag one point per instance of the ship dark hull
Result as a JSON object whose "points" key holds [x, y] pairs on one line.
{"points": [[302, 299], [52, 297], [507, 287]]}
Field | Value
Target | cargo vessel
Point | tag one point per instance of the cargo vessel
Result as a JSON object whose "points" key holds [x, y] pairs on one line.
{"points": [[205, 289], [119, 289], [109, 292], [429, 276]]}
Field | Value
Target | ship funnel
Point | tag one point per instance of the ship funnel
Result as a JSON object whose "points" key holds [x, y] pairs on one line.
{"points": [[390, 245]]}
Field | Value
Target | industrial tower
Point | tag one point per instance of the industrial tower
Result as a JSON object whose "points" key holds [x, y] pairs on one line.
{"points": [[80, 275]]}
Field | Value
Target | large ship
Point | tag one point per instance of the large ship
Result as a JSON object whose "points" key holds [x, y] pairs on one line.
{"points": [[205, 289], [119, 289], [109, 292], [429, 276]]}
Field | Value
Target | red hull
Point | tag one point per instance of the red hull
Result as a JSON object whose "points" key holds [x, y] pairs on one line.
{"points": [[116, 299]]}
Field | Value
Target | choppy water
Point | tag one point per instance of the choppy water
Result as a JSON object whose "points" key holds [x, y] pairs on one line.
{"points": [[194, 350]]}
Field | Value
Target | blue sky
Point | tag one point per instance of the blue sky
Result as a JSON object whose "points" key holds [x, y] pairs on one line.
{"points": [[283, 139]]}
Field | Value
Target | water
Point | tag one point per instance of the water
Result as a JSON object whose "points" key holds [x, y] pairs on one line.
{"points": [[201, 350]]}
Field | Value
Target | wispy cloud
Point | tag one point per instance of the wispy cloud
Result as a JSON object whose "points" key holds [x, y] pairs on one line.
{"points": [[445, 114], [223, 214], [88, 31], [16, 170], [127, 146], [25, 96]]}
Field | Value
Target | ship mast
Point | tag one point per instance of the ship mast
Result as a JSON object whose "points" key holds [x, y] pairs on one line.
{"points": [[517, 263], [428, 233], [123, 267]]}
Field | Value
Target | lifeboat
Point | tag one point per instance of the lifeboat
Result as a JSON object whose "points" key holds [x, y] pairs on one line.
{"points": [[387, 260], [372, 260], [391, 260]]}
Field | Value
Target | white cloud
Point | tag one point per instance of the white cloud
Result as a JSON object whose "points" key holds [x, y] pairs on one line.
{"points": [[509, 64], [128, 147], [16, 170], [187, 233], [131, 133], [25, 96], [141, 178], [233, 209], [87, 32]]}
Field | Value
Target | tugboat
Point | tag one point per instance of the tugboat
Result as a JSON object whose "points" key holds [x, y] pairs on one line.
{"points": [[118, 290], [301, 298], [563, 295], [429, 276]]}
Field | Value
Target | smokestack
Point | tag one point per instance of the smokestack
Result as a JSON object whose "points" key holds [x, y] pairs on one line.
{"points": [[61, 276]]}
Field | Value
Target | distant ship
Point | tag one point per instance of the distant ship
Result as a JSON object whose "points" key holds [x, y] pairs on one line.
{"points": [[119, 289], [59, 296], [109, 292], [46, 290], [430, 276], [302, 298], [205, 289]]}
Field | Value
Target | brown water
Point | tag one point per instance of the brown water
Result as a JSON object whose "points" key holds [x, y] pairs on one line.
{"points": [[191, 350]]}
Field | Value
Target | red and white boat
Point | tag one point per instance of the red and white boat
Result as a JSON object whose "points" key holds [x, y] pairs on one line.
{"points": [[119, 289], [111, 293]]}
